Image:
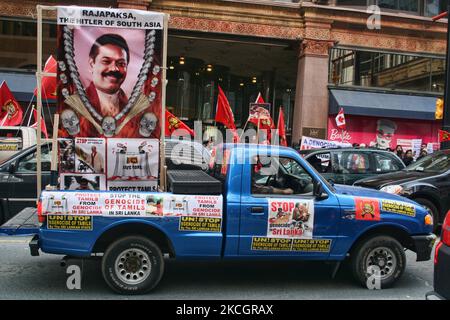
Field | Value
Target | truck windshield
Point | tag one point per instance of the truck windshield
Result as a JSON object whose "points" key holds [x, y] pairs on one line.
{"points": [[434, 163]]}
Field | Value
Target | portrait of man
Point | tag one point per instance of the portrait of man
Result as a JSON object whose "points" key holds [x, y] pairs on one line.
{"points": [[385, 133], [108, 59]]}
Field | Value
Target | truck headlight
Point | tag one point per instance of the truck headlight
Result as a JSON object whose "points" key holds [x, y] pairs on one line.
{"points": [[394, 189]]}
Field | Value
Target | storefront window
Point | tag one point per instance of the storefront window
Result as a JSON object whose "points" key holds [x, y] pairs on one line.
{"points": [[198, 65], [386, 70]]}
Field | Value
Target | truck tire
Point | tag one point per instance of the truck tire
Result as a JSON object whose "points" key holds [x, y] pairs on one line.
{"points": [[378, 262], [430, 207], [133, 265]]}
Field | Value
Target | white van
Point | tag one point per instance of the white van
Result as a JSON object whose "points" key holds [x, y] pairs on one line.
{"points": [[15, 139]]}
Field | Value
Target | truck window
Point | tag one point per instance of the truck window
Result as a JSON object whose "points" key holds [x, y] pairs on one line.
{"points": [[281, 176], [28, 164]]}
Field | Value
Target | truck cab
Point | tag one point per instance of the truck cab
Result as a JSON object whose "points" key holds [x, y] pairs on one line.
{"points": [[273, 205]]}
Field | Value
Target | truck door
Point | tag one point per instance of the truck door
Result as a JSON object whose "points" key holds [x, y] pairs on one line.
{"points": [[279, 214]]}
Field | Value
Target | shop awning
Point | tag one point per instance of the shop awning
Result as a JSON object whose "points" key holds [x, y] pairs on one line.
{"points": [[382, 104]]}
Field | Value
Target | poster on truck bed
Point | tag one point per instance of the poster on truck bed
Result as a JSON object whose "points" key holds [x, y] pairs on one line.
{"points": [[290, 218], [90, 155], [114, 204], [109, 72], [132, 163]]}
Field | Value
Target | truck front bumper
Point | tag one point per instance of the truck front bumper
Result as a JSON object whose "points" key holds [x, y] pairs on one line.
{"points": [[423, 246]]}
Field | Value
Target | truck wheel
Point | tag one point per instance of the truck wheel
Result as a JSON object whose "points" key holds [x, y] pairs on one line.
{"points": [[378, 262], [431, 208], [133, 265]]}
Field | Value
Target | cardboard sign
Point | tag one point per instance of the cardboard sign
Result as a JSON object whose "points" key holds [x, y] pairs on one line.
{"points": [[290, 218]]}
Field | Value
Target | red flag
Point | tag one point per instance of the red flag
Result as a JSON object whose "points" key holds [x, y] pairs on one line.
{"points": [[259, 98], [48, 84], [444, 136], [224, 114], [282, 128], [173, 123], [10, 110], [43, 126], [340, 119]]}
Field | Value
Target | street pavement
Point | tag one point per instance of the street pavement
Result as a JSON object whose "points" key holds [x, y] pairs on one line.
{"points": [[25, 277]]}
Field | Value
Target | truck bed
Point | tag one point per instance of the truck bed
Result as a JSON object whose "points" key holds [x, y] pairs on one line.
{"points": [[24, 223]]}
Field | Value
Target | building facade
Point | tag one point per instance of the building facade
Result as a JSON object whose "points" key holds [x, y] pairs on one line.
{"points": [[311, 57]]}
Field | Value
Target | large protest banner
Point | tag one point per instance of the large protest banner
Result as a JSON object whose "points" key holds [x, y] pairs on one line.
{"points": [[110, 75], [109, 64]]}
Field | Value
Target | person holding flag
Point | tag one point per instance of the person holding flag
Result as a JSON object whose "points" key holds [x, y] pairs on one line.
{"points": [[10, 111], [224, 114]]}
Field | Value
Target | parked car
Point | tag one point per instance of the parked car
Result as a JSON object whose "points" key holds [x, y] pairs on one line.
{"points": [[15, 139], [18, 173], [347, 165], [426, 181], [442, 263]]}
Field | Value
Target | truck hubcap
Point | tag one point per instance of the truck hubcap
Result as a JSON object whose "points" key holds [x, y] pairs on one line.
{"points": [[381, 262], [133, 266]]}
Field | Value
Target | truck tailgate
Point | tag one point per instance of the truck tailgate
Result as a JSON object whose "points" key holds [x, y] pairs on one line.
{"points": [[24, 223]]}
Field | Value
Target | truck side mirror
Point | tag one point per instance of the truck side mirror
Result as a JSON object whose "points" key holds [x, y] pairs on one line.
{"points": [[12, 168], [318, 191]]}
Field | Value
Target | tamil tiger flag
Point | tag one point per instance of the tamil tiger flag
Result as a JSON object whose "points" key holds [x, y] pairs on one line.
{"points": [[173, 123], [48, 84], [10, 110], [444, 136]]}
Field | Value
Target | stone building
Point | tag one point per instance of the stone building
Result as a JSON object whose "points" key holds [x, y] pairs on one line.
{"points": [[311, 57]]}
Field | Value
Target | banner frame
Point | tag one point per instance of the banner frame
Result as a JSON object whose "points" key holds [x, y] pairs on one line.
{"points": [[40, 74]]}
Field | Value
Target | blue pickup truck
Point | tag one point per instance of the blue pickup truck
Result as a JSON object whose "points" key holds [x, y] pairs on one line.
{"points": [[271, 204]]}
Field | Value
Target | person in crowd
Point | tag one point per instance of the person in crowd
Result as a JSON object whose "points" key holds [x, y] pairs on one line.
{"points": [[399, 151], [423, 153], [355, 145], [408, 158]]}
